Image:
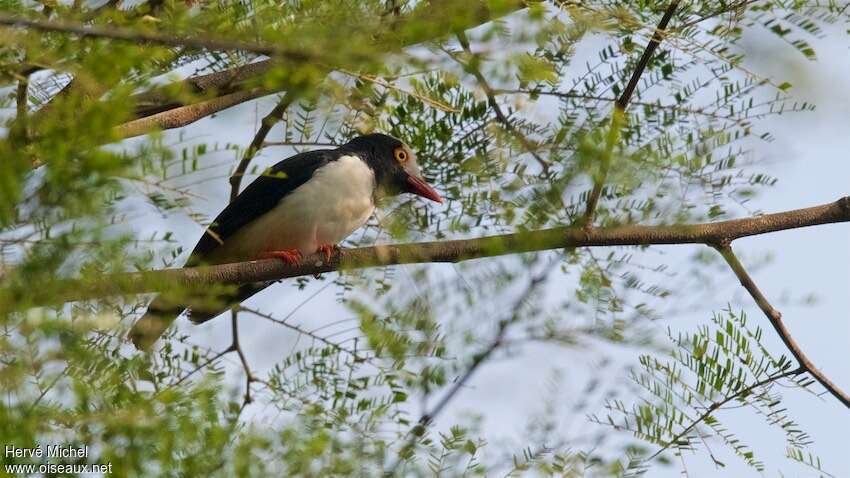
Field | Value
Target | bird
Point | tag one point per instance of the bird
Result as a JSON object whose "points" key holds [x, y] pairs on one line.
{"points": [[304, 204]]}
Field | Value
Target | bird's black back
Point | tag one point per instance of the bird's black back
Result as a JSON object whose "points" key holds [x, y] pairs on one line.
{"points": [[260, 197]]}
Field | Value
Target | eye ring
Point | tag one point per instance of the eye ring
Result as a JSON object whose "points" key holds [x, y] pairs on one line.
{"points": [[401, 155]]}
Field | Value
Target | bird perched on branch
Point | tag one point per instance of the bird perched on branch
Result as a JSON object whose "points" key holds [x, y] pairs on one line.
{"points": [[304, 204]]}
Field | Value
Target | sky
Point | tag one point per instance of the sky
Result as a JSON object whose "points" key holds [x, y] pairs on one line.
{"points": [[808, 156]]}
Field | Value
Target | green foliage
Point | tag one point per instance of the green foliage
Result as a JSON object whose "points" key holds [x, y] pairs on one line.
{"points": [[724, 366], [512, 120]]}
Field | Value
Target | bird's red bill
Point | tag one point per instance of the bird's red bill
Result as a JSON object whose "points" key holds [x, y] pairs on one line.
{"points": [[419, 187]]}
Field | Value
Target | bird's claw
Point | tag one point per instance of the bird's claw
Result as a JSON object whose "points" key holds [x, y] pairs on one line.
{"points": [[327, 250], [290, 256]]}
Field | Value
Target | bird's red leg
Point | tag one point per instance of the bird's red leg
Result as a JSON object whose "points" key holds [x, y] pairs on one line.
{"points": [[289, 256], [328, 250]]}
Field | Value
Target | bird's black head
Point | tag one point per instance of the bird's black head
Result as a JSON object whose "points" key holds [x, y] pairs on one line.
{"points": [[393, 163]]}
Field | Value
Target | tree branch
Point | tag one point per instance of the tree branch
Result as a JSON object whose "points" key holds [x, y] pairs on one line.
{"points": [[163, 98], [697, 111], [162, 108], [618, 116], [478, 359], [313, 336], [185, 115], [158, 110], [653, 44], [720, 11], [200, 278], [494, 104], [257, 143], [236, 346], [219, 83], [19, 130], [153, 38], [318, 144], [717, 405], [776, 320]]}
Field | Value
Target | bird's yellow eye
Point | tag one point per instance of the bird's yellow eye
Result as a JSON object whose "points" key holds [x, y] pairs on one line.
{"points": [[401, 155]]}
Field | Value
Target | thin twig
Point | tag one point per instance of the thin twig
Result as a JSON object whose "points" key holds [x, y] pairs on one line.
{"points": [[494, 104], [45, 390], [266, 125], [618, 116], [203, 365], [776, 320], [319, 144], [653, 44], [717, 405], [300, 330], [477, 360], [611, 140], [675, 108], [720, 11], [237, 347], [377, 80]]}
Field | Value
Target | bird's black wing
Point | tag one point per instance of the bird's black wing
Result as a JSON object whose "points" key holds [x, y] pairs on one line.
{"points": [[257, 199], [260, 197]]}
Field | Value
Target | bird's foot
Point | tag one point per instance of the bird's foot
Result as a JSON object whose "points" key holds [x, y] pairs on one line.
{"points": [[289, 256], [328, 250]]}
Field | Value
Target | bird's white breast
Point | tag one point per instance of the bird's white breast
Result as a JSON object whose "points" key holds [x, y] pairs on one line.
{"points": [[333, 203]]}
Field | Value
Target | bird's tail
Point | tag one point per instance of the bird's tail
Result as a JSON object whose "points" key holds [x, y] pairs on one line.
{"points": [[150, 327], [201, 315], [161, 314]]}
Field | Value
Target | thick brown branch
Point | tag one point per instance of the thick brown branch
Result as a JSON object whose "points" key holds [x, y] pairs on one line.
{"points": [[220, 83], [162, 108], [184, 115], [776, 320], [200, 278], [205, 91]]}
